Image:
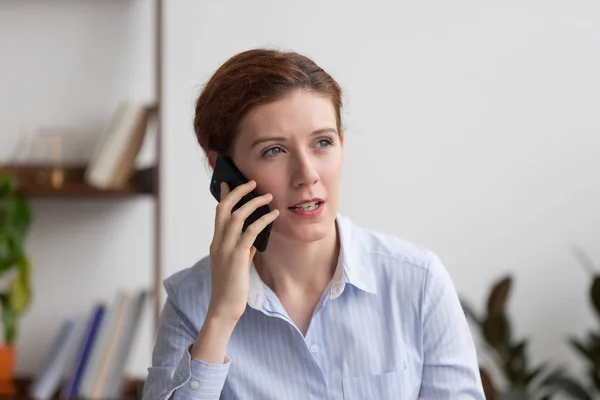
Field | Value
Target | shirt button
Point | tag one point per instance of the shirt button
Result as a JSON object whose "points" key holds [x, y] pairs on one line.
{"points": [[195, 385], [314, 348]]}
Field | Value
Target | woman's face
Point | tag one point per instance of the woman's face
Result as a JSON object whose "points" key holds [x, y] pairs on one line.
{"points": [[292, 149]]}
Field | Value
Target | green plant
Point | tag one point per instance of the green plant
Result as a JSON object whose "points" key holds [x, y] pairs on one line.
{"points": [[523, 381], [15, 293], [589, 347]]}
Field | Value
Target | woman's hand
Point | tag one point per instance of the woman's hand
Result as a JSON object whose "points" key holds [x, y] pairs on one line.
{"points": [[231, 251]]}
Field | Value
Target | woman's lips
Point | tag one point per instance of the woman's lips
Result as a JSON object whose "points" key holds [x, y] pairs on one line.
{"points": [[308, 210]]}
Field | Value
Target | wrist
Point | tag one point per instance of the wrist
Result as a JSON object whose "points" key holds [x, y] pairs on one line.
{"points": [[221, 316], [219, 324], [212, 340]]}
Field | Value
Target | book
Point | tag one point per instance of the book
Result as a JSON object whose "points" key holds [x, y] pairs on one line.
{"points": [[125, 344], [57, 360], [102, 381], [103, 345], [70, 388], [113, 161]]}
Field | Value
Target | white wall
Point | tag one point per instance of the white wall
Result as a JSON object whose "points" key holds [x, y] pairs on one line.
{"points": [[67, 63], [472, 129]]}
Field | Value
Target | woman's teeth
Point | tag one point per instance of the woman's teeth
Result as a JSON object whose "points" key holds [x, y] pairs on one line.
{"points": [[308, 206]]}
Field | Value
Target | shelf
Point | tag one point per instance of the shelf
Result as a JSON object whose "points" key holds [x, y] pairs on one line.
{"points": [[30, 184], [132, 389], [75, 190]]}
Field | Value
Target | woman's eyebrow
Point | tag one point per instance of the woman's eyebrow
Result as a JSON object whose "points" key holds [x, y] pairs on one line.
{"points": [[283, 139]]}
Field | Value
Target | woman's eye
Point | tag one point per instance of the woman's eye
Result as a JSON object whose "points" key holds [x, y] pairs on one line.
{"points": [[324, 143], [273, 151]]}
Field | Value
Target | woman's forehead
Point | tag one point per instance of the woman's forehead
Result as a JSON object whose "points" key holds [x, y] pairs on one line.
{"points": [[298, 114]]}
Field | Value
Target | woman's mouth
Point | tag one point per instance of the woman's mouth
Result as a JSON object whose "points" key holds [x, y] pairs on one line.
{"points": [[308, 209]]}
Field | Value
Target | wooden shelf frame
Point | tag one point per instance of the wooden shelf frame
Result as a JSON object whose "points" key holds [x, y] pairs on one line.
{"points": [[157, 188]]}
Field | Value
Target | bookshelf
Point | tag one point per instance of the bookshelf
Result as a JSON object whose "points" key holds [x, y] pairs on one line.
{"points": [[144, 183]]}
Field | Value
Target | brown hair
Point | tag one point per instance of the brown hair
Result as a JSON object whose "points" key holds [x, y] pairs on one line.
{"points": [[249, 79]]}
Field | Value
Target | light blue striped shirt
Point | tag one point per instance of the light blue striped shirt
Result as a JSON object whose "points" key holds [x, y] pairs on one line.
{"points": [[388, 326]]}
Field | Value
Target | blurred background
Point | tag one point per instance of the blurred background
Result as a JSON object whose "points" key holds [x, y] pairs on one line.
{"points": [[472, 129]]}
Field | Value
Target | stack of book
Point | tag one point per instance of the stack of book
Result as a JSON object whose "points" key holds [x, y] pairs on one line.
{"points": [[89, 354]]}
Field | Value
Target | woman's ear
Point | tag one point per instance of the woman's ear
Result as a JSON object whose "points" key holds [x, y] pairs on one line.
{"points": [[342, 138], [212, 158]]}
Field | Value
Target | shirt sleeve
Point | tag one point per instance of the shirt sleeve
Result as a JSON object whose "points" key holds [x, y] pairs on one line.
{"points": [[450, 369], [173, 372]]}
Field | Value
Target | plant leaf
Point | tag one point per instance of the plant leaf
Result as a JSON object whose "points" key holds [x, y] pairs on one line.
{"points": [[9, 320], [516, 365], [499, 295], [5, 252], [535, 373], [496, 330], [595, 294], [569, 386], [514, 394], [594, 346], [7, 185], [556, 373], [20, 292], [583, 350], [488, 384], [584, 260], [19, 219], [594, 375], [8, 252]]}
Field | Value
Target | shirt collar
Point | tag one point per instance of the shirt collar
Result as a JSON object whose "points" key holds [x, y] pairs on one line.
{"points": [[356, 257], [354, 266]]}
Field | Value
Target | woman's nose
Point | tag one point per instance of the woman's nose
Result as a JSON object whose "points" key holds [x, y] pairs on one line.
{"points": [[305, 174]]}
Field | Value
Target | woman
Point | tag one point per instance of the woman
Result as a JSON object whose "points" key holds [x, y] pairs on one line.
{"points": [[330, 310]]}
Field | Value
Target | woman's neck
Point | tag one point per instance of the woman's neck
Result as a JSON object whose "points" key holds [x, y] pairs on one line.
{"points": [[290, 266]]}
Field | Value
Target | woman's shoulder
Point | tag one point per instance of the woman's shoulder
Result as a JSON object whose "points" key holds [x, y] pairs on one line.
{"points": [[380, 244], [395, 260], [191, 283]]}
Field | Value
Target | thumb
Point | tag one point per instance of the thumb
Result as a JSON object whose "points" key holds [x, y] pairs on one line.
{"points": [[225, 190]]}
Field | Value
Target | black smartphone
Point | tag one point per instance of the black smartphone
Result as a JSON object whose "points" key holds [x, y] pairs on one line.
{"points": [[226, 171]]}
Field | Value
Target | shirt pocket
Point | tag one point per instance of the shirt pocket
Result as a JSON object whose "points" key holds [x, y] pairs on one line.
{"points": [[386, 386]]}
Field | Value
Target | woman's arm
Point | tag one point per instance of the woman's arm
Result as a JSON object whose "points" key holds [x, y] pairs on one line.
{"points": [[174, 372], [450, 369], [192, 364]]}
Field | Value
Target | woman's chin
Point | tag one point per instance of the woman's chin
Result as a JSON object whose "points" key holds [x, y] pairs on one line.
{"points": [[305, 233]]}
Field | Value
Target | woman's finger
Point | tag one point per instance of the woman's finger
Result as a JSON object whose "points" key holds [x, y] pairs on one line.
{"points": [[238, 218], [248, 238], [234, 197], [221, 215]]}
